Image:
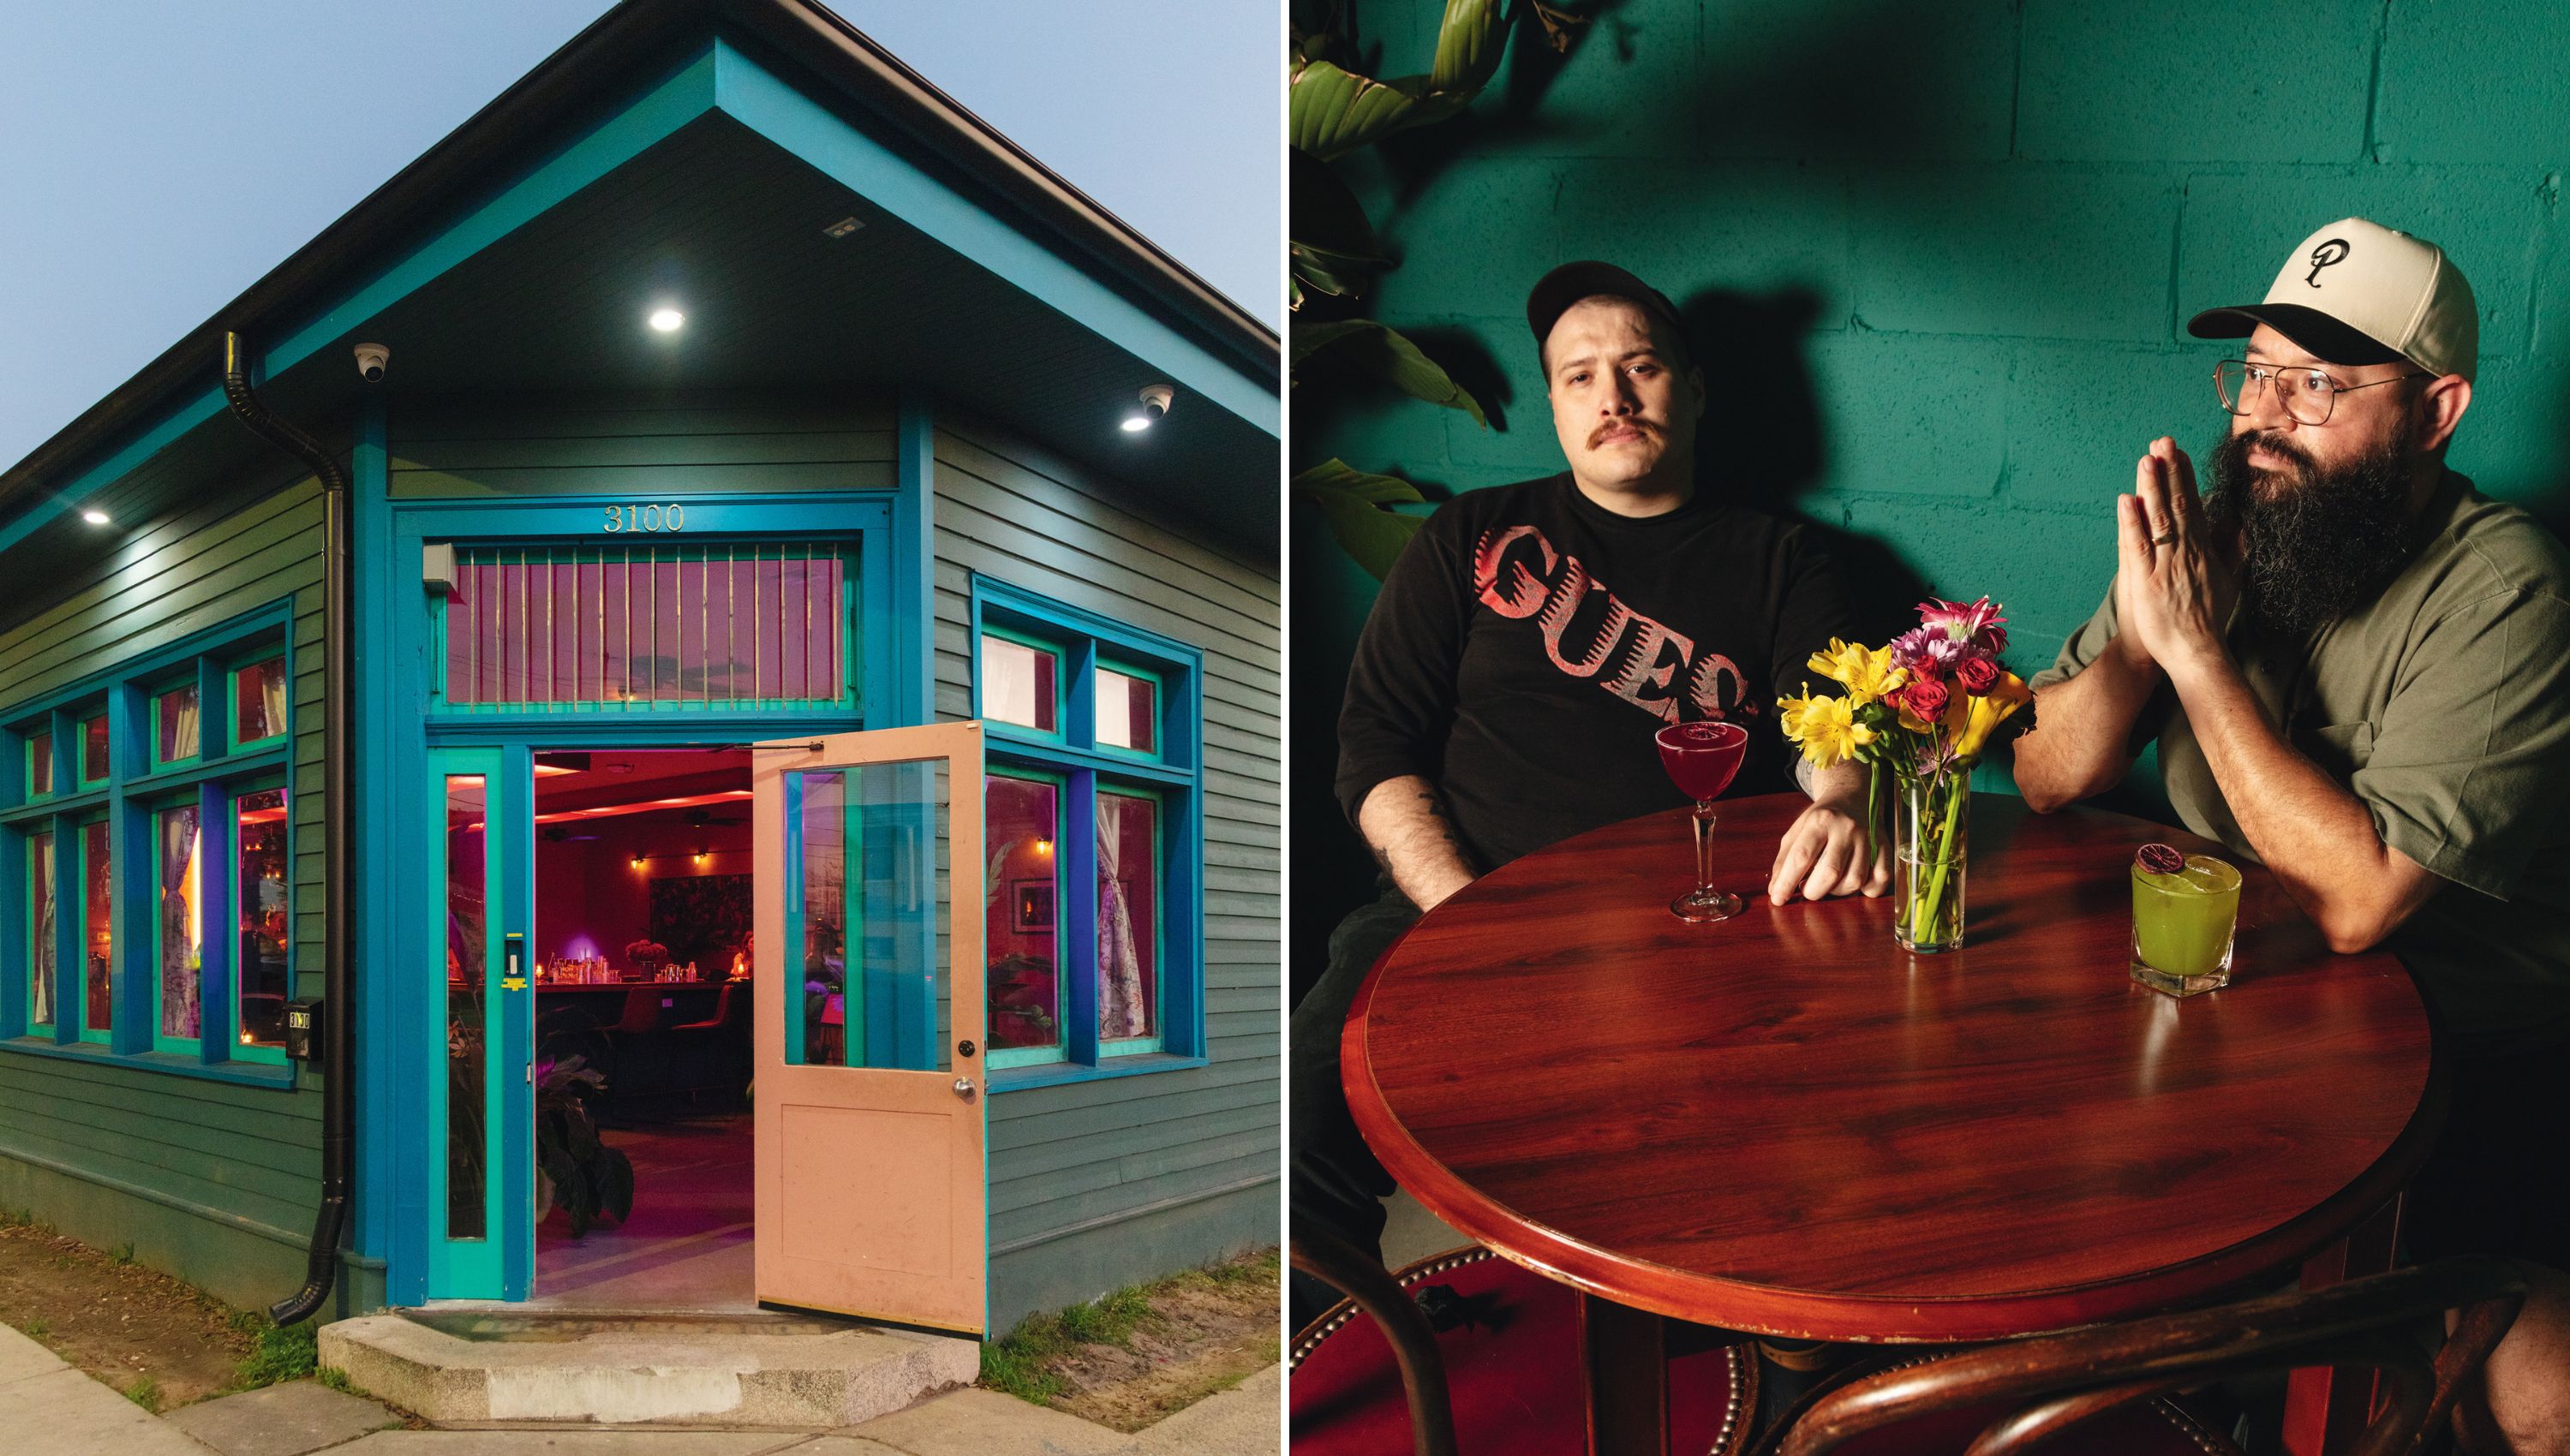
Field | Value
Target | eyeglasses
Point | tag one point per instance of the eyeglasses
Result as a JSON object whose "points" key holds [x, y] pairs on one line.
{"points": [[2306, 394]]}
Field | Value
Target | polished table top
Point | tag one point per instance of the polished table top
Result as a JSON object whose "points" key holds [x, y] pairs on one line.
{"points": [[1785, 1124]]}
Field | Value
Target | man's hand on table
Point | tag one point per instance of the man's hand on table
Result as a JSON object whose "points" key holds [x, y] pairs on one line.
{"points": [[1823, 853]]}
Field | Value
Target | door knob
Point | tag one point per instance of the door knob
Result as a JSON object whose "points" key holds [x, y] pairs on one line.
{"points": [[963, 1088]]}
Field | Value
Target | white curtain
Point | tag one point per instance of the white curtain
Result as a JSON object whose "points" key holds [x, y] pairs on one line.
{"points": [[40, 965], [1121, 1012], [184, 728], [272, 688]]}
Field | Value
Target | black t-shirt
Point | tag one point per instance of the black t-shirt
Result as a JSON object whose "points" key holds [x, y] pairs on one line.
{"points": [[1530, 642]]}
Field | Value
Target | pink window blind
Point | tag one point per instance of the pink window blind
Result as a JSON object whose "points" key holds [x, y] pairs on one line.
{"points": [[545, 626]]}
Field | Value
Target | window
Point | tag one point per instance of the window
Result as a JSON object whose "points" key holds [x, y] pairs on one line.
{"points": [[154, 850], [1091, 811]]}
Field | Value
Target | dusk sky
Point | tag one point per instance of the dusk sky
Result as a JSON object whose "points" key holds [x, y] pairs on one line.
{"points": [[158, 157]]}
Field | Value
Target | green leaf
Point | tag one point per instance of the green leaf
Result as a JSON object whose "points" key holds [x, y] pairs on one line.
{"points": [[1367, 347], [1330, 113], [616, 1183], [1470, 41], [1351, 503], [1332, 244]]}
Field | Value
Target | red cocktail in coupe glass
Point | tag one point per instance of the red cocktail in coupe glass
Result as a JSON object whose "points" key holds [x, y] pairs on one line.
{"points": [[1701, 758]]}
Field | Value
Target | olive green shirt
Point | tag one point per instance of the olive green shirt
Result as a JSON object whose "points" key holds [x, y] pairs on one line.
{"points": [[2444, 707]]}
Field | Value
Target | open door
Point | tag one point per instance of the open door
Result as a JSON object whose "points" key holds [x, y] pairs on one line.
{"points": [[867, 944], [481, 1173]]}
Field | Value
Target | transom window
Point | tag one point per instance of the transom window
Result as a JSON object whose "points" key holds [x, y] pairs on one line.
{"points": [[545, 629]]}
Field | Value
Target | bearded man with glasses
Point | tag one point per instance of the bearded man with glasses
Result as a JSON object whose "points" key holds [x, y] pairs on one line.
{"points": [[2358, 671]]}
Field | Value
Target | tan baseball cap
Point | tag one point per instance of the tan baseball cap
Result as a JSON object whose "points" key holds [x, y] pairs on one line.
{"points": [[2357, 293]]}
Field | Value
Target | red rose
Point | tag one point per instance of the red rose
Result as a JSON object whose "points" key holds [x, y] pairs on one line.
{"points": [[1977, 675], [1926, 699]]}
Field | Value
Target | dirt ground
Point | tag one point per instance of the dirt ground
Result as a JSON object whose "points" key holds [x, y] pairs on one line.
{"points": [[121, 1323], [1202, 1335]]}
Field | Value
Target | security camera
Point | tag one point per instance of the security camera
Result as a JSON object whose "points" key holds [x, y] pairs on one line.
{"points": [[371, 359], [1156, 398]]}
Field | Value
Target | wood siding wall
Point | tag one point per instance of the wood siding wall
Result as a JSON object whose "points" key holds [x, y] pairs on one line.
{"points": [[1074, 1157], [215, 1182], [637, 448]]}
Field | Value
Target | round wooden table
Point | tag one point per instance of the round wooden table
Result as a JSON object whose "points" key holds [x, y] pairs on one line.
{"points": [[1785, 1124]]}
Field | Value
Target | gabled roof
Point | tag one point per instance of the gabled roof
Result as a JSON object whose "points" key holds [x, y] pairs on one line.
{"points": [[587, 82]]}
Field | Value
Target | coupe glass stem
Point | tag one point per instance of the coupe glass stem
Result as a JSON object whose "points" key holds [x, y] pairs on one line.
{"points": [[1704, 843]]}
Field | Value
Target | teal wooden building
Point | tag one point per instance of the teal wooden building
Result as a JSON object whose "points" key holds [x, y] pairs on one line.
{"points": [[724, 568]]}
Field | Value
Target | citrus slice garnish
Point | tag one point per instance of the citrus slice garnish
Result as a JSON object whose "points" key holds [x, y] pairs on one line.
{"points": [[2160, 859]]}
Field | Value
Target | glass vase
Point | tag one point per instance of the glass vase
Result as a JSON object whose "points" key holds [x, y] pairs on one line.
{"points": [[1931, 833]]}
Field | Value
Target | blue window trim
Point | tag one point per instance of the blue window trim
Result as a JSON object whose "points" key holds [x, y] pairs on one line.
{"points": [[1174, 776], [1061, 675], [129, 800], [1014, 1058]]}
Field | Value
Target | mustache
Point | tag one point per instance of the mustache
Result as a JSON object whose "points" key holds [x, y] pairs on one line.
{"points": [[1635, 424], [2275, 444]]}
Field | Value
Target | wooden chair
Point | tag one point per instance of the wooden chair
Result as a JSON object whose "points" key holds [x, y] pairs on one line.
{"points": [[1468, 1352], [2111, 1382]]}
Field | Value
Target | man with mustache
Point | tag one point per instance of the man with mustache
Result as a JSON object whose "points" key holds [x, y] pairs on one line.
{"points": [[2358, 671], [1525, 647]]}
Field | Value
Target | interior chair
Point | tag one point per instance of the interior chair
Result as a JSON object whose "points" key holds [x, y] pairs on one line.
{"points": [[702, 1052], [636, 1024], [2104, 1391], [1468, 1354]]}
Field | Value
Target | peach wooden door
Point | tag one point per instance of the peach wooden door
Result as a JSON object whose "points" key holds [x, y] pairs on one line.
{"points": [[869, 1005]]}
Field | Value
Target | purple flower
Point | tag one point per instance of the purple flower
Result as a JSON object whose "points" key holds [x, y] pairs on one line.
{"points": [[1977, 622], [1928, 653]]}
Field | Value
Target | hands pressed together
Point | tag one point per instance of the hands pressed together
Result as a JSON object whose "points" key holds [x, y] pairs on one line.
{"points": [[2175, 571]]}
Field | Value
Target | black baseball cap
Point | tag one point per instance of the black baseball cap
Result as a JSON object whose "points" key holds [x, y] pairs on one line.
{"points": [[1555, 291]]}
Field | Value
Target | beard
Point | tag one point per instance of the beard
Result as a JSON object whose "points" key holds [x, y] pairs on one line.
{"points": [[2315, 542]]}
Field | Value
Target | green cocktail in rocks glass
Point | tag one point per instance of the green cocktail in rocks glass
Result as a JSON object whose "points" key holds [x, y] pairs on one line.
{"points": [[2185, 907]]}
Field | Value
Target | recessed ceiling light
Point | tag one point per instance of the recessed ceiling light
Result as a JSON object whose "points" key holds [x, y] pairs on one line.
{"points": [[667, 320], [94, 518], [1137, 423], [842, 227]]}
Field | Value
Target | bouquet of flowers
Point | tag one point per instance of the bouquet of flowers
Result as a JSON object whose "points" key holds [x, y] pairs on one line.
{"points": [[1918, 714]]}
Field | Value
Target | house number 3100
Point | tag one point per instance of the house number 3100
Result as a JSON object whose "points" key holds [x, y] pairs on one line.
{"points": [[647, 518]]}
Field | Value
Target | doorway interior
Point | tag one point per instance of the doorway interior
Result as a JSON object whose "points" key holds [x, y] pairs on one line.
{"points": [[641, 959]]}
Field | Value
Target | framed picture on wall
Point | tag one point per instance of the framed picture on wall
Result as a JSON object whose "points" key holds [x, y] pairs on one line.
{"points": [[1031, 904]]}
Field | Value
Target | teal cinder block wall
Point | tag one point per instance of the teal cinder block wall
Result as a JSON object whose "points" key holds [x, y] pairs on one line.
{"points": [[1939, 258]]}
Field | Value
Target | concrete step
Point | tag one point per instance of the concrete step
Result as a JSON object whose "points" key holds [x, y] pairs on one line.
{"points": [[478, 1366]]}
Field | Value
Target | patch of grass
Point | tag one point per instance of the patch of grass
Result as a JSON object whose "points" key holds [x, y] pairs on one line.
{"points": [[337, 1379], [1110, 1319], [122, 1256], [17, 1218], [1015, 1364], [278, 1356], [38, 1328], [1262, 1268], [144, 1392]]}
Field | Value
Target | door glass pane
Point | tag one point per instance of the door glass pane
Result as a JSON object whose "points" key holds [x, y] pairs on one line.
{"points": [[1126, 716], [1128, 917], [1018, 683], [40, 765], [467, 967], [259, 881], [183, 921], [175, 717], [94, 750], [98, 979], [1020, 817], [40, 928], [259, 701], [867, 920]]}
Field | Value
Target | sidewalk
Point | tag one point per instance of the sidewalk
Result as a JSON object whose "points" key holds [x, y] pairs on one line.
{"points": [[48, 1408]]}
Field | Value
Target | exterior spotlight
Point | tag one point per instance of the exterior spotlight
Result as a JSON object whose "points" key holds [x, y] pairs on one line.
{"points": [[94, 516], [667, 321], [1155, 403]]}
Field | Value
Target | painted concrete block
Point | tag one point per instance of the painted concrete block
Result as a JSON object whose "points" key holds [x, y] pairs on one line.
{"points": [[2047, 568], [2073, 252], [2197, 79], [2475, 80], [2491, 222], [1628, 89], [1471, 238], [2517, 432], [1751, 228], [2080, 415], [1909, 415], [1857, 80]]}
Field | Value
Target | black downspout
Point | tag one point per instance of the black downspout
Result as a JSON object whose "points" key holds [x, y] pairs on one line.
{"points": [[338, 1086]]}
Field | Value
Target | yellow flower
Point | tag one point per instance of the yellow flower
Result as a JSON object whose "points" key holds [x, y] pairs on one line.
{"points": [[1973, 719], [1826, 727], [1865, 674]]}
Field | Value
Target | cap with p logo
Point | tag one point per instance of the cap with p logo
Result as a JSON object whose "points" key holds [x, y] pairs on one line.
{"points": [[2357, 293]]}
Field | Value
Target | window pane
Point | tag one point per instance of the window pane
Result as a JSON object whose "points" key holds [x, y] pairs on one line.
{"points": [[98, 976], [40, 928], [175, 713], [265, 927], [40, 764], [1020, 816], [1126, 714], [467, 958], [647, 623], [94, 750], [1128, 922], [822, 957], [258, 694], [1018, 683], [183, 921]]}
